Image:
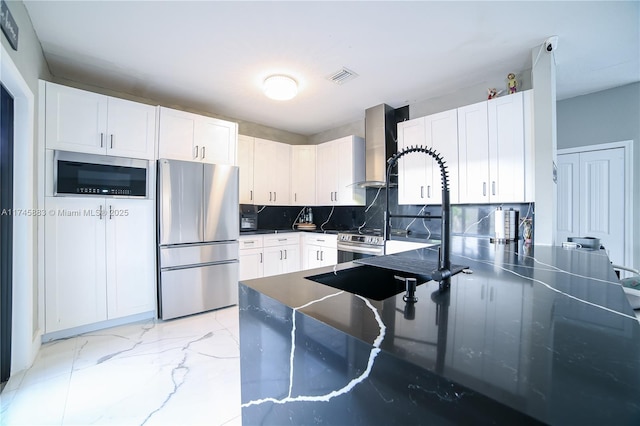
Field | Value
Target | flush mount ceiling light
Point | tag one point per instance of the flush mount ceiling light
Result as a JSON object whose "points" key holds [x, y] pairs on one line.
{"points": [[280, 87]]}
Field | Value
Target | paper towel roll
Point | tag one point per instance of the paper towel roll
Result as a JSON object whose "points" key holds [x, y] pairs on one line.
{"points": [[499, 224], [512, 225]]}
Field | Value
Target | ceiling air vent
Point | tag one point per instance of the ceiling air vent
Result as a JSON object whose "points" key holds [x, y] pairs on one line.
{"points": [[342, 76]]}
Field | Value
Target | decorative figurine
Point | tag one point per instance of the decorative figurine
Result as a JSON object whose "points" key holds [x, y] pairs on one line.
{"points": [[493, 93], [512, 83]]}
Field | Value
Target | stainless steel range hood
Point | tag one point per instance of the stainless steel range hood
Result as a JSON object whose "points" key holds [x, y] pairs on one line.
{"points": [[380, 144]]}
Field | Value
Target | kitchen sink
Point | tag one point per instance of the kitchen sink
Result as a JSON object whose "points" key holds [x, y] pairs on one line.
{"points": [[368, 281]]}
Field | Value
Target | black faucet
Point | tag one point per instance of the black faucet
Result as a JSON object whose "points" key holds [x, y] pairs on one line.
{"points": [[443, 273]]}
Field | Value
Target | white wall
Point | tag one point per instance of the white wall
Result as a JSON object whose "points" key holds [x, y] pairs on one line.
{"points": [[611, 115], [21, 70]]}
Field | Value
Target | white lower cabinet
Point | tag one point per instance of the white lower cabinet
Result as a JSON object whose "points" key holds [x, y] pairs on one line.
{"points": [[251, 257], [281, 253], [99, 260], [319, 250]]}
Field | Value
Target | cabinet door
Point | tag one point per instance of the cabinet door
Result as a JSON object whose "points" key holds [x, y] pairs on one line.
{"points": [[251, 264], [311, 256], [272, 166], [263, 169], [131, 128], [350, 160], [412, 183], [329, 256], [473, 150], [273, 261], [74, 263], [245, 162], [303, 175], [326, 172], [130, 245], [282, 175], [442, 135], [506, 148], [177, 135], [217, 140], [291, 261], [75, 120]]}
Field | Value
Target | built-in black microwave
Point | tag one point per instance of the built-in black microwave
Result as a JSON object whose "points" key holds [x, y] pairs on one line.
{"points": [[87, 174]]}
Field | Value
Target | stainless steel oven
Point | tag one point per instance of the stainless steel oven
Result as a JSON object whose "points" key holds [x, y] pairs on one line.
{"points": [[354, 246]]}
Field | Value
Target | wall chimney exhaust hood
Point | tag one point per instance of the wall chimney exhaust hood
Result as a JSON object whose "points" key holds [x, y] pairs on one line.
{"points": [[380, 144]]}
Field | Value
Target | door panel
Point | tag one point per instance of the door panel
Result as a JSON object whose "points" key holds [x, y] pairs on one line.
{"points": [[221, 203], [192, 290], [180, 202], [602, 205], [591, 202]]}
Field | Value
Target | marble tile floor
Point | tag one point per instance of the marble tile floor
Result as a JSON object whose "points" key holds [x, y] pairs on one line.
{"points": [[180, 372]]}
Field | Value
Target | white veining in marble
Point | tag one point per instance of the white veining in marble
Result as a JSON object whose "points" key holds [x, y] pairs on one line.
{"points": [[351, 384], [551, 268], [184, 371]]}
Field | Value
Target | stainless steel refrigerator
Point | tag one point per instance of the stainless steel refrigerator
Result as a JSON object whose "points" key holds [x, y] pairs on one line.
{"points": [[197, 237]]}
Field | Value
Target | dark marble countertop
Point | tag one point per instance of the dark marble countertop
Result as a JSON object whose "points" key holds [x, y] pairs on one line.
{"points": [[546, 332]]}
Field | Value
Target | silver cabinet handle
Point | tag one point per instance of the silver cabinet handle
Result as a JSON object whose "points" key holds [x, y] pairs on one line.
{"points": [[280, 254], [111, 143], [493, 187], [321, 256], [101, 140], [295, 196], [422, 191], [100, 213], [484, 189], [203, 152], [260, 257], [196, 154], [285, 254], [110, 212], [336, 196], [275, 196], [317, 255], [331, 195], [251, 194], [428, 191]]}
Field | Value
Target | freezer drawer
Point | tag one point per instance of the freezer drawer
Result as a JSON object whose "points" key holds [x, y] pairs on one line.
{"points": [[199, 289], [194, 254]]}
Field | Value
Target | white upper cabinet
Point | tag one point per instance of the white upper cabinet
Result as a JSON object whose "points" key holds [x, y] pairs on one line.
{"points": [[494, 147], [473, 148], [340, 164], [419, 176], [192, 137], [81, 121], [246, 164], [412, 168], [303, 175], [271, 172]]}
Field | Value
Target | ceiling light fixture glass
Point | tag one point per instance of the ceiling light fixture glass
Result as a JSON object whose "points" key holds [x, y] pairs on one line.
{"points": [[280, 87]]}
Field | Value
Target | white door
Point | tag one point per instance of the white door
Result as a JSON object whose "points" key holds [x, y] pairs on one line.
{"points": [[303, 175], [217, 140], [130, 253], [412, 167], [598, 178], [131, 129], [245, 162], [75, 263]]}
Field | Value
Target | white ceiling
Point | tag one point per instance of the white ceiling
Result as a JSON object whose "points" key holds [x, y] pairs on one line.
{"points": [[212, 55]]}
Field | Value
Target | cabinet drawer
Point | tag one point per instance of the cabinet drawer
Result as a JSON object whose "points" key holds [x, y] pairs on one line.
{"points": [[324, 240], [281, 239], [250, 242]]}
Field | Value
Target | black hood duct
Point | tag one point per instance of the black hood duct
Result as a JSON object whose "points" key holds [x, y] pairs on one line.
{"points": [[380, 127]]}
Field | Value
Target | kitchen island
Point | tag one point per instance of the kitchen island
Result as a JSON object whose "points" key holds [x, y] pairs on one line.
{"points": [[542, 335]]}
